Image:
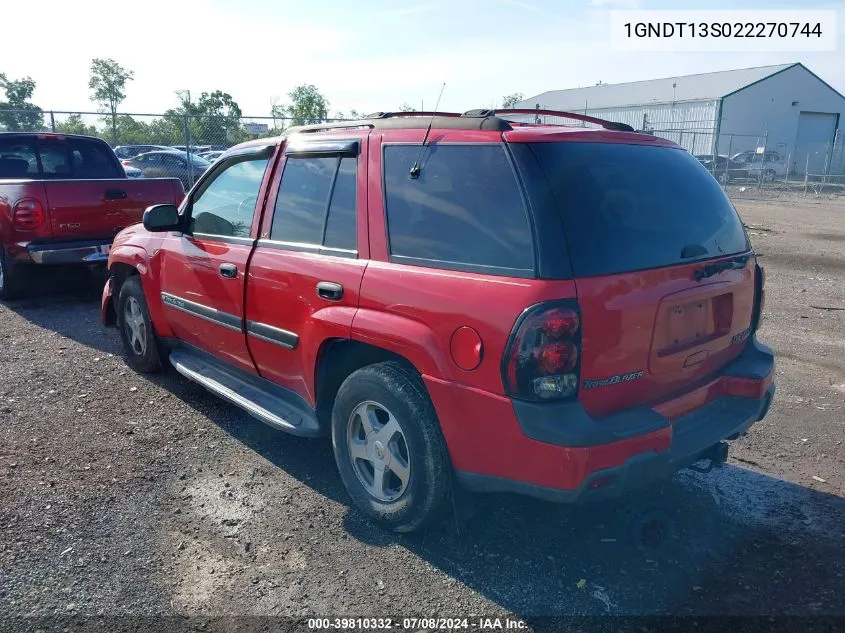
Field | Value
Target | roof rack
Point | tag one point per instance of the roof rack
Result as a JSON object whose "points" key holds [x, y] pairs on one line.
{"points": [[390, 115], [608, 125], [470, 120]]}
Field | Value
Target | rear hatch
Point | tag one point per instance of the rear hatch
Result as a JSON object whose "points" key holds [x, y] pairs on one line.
{"points": [[662, 266]]}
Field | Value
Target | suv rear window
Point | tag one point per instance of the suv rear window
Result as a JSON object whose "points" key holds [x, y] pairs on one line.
{"points": [[464, 212], [633, 207]]}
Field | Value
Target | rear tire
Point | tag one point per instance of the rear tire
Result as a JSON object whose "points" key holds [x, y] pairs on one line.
{"points": [[389, 448], [140, 344], [11, 278]]}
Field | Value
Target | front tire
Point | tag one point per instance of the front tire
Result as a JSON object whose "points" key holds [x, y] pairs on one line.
{"points": [[389, 449], [140, 346]]}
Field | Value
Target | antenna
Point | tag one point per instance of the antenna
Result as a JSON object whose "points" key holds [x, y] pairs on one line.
{"points": [[415, 169]]}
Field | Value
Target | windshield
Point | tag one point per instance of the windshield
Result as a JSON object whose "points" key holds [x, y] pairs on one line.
{"points": [[632, 207]]}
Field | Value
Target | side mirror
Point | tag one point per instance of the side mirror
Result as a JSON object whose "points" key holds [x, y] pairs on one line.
{"points": [[161, 218]]}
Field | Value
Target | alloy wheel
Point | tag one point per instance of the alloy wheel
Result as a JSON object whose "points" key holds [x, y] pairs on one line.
{"points": [[378, 451], [135, 326]]}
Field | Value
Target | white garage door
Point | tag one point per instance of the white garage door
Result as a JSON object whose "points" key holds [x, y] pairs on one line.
{"points": [[815, 140]]}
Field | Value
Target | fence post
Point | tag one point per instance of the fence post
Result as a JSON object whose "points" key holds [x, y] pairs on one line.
{"points": [[52, 121], [806, 173], [826, 164], [762, 161], [786, 171], [728, 162]]}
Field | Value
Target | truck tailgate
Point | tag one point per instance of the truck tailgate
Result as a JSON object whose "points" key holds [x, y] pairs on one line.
{"points": [[98, 209]]}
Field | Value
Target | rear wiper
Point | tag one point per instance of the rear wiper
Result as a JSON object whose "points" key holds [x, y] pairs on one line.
{"points": [[736, 263]]}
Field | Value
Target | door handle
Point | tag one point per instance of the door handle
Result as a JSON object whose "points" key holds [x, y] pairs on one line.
{"points": [[115, 194], [229, 271], [329, 290]]}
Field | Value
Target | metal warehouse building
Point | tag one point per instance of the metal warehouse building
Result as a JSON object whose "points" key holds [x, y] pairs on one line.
{"points": [[784, 108]]}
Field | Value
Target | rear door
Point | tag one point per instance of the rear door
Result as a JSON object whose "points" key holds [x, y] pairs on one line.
{"points": [[305, 274], [203, 270], [662, 267]]}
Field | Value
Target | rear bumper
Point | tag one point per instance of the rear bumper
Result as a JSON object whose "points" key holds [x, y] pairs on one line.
{"points": [[561, 454], [77, 252], [694, 436]]}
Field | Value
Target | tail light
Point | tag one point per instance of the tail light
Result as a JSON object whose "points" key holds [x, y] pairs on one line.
{"points": [[759, 296], [125, 162], [28, 214], [542, 358]]}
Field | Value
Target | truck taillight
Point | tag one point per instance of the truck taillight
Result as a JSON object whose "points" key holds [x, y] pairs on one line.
{"points": [[28, 214], [542, 358], [759, 296]]}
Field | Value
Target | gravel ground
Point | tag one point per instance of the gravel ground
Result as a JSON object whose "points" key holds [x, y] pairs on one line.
{"points": [[125, 495]]}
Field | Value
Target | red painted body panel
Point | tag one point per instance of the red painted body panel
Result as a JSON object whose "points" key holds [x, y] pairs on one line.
{"points": [[77, 209], [190, 269], [484, 437], [282, 292], [625, 323]]}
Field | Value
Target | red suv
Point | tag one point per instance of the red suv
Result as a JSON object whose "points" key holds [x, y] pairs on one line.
{"points": [[564, 312]]}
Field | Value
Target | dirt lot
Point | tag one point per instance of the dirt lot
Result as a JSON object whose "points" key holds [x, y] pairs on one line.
{"points": [[127, 495]]}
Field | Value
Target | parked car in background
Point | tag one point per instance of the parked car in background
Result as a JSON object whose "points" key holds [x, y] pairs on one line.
{"points": [[62, 200], [170, 164], [723, 169], [768, 164], [132, 172], [212, 156], [129, 151], [195, 149], [576, 332]]}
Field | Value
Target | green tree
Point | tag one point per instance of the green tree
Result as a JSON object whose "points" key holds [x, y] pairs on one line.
{"points": [[108, 87], [279, 114], [218, 118], [354, 115], [510, 101], [307, 105], [17, 113], [75, 125], [215, 118]]}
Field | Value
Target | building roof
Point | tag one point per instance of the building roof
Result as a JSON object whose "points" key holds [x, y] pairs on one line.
{"points": [[702, 87]]}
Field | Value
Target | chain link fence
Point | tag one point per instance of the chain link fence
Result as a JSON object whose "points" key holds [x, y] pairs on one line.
{"points": [[748, 166], [139, 139]]}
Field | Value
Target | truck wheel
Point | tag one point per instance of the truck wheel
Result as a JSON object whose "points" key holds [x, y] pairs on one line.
{"points": [[11, 278], [389, 449], [140, 346]]}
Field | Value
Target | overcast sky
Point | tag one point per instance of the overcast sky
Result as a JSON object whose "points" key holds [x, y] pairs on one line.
{"points": [[361, 54]]}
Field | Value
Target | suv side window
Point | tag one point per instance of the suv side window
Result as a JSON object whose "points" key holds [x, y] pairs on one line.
{"points": [[317, 203], [464, 212], [224, 204]]}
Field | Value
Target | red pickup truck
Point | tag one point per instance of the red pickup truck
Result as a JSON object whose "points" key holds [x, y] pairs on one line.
{"points": [[564, 312], [63, 199]]}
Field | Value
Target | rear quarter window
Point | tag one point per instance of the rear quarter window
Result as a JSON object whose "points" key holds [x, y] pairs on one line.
{"points": [[634, 207], [464, 212]]}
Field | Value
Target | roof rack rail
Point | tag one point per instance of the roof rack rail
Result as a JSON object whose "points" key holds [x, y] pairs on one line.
{"points": [[608, 125], [335, 125], [390, 115]]}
